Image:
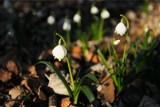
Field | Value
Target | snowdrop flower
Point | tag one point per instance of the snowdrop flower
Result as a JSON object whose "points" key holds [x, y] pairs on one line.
{"points": [[77, 18], [120, 29], [94, 10], [59, 52], [51, 20], [105, 14], [116, 42], [66, 25]]}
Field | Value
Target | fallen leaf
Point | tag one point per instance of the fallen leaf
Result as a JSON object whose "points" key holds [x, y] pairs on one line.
{"points": [[11, 66], [10, 104], [56, 84], [15, 92], [108, 89], [88, 55], [41, 95], [33, 72], [65, 102], [5, 75], [57, 64], [25, 83], [76, 52], [95, 58]]}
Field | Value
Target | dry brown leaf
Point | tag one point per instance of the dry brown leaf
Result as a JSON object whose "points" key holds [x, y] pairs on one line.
{"points": [[58, 64], [88, 55], [11, 66], [25, 83], [40, 93], [5, 75], [65, 102], [56, 84], [15, 92], [76, 52], [108, 89], [10, 104], [95, 59], [33, 72]]}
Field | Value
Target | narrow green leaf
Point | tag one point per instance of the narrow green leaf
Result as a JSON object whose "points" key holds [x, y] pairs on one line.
{"points": [[108, 67], [54, 69], [90, 76], [88, 93], [145, 43]]}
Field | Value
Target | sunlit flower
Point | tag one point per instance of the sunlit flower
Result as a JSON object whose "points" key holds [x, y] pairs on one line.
{"points": [[120, 29], [66, 25], [94, 10], [59, 52], [105, 14], [116, 42], [77, 18], [51, 20]]}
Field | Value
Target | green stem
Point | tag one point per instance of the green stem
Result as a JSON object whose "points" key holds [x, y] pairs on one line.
{"points": [[70, 73], [124, 17], [62, 39], [100, 32], [68, 38]]}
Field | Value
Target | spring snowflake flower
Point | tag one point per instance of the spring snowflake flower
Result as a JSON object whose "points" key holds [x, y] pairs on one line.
{"points": [[51, 20], [66, 25], [120, 29], [77, 18], [59, 52], [94, 10], [105, 14]]}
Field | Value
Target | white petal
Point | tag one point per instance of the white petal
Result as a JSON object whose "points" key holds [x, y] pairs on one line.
{"points": [[120, 29], [59, 52], [77, 18], [105, 14], [94, 10], [51, 20]]}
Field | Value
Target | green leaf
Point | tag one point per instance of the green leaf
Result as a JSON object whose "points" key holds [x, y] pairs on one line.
{"points": [[88, 93], [90, 76], [54, 69], [108, 67], [145, 43]]}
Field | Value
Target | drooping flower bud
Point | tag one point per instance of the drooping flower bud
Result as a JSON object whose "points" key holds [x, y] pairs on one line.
{"points": [[66, 25], [105, 14], [51, 20], [94, 10], [120, 29], [59, 52], [77, 18]]}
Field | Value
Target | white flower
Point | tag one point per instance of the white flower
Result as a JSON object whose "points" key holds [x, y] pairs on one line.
{"points": [[51, 20], [94, 10], [77, 18], [66, 25], [105, 14], [59, 52], [116, 42], [120, 29]]}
